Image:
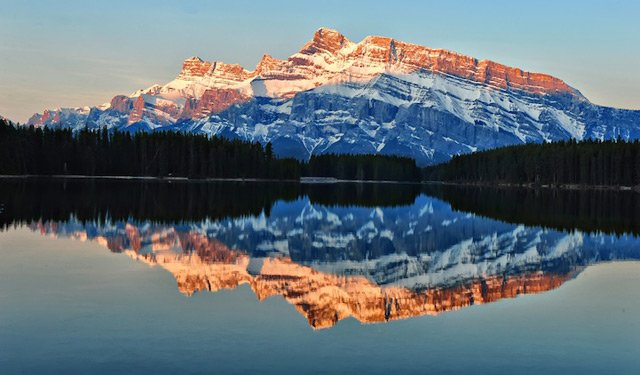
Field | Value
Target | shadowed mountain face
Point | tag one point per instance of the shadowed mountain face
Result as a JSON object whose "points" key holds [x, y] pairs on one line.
{"points": [[379, 95], [382, 257]]}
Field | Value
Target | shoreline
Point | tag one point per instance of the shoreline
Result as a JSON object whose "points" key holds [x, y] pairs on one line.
{"points": [[139, 178], [537, 186], [328, 180], [302, 180]]}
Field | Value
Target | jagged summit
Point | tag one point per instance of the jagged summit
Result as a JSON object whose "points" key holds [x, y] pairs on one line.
{"points": [[330, 53], [326, 40], [378, 95], [267, 62], [194, 67]]}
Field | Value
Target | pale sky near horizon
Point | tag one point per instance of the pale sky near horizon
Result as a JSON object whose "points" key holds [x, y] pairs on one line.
{"points": [[76, 52]]}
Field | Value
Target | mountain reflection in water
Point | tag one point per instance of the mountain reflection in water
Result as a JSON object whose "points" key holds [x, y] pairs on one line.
{"points": [[375, 252]]}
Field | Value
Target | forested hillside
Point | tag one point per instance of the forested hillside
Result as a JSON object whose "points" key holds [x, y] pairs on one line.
{"points": [[591, 162], [36, 151], [46, 151]]}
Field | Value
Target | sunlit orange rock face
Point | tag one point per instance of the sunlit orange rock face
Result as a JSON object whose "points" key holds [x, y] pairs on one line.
{"points": [[330, 56], [372, 56], [217, 100], [122, 104], [203, 87], [52, 116], [411, 57], [325, 40], [199, 263], [47, 115], [322, 298], [189, 108], [267, 64], [195, 67], [375, 55], [161, 111], [138, 109]]}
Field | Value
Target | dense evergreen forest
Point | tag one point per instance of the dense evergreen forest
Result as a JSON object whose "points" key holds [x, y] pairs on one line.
{"points": [[24, 201], [590, 162], [36, 151], [587, 210], [363, 167]]}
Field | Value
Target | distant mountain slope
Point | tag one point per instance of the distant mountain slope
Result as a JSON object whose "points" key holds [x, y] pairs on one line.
{"points": [[376, 96]]}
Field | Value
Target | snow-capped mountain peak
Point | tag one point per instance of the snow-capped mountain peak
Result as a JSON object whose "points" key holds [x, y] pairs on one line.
{"points": [[379, 95]]}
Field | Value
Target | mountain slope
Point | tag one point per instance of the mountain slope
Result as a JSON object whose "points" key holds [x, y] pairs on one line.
{"points": [[376, 96]]}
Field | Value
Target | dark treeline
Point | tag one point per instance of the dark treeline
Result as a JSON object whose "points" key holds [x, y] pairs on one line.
{"points": [[363, 195], [591, 162], [363, 167], [34, 151], [588, 210], [25, 200]]}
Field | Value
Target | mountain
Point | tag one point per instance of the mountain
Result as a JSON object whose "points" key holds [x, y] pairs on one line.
{"points": [[199, 263], [379, 95], [374, 264]]}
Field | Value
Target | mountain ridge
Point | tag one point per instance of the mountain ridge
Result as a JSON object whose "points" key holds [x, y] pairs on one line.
{"points": [[379, 95]]}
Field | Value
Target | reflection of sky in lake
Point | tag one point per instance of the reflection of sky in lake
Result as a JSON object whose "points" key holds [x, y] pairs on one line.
{"points": [[71, 305]]}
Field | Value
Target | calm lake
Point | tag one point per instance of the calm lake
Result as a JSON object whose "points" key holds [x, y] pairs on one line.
{"points": [[109, 276]]}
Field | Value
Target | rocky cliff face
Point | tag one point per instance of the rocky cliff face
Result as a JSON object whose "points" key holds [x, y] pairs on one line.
{"points": [[379, 95]]}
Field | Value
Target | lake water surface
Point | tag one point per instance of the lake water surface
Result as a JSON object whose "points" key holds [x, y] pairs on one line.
{"points": [[102, 276]]}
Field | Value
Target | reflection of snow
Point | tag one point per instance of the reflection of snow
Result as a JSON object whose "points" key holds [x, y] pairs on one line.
{"points": [[394, 245]]}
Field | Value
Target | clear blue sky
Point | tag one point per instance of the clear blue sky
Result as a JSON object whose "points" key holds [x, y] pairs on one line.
{"points": [[81, 52]]}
